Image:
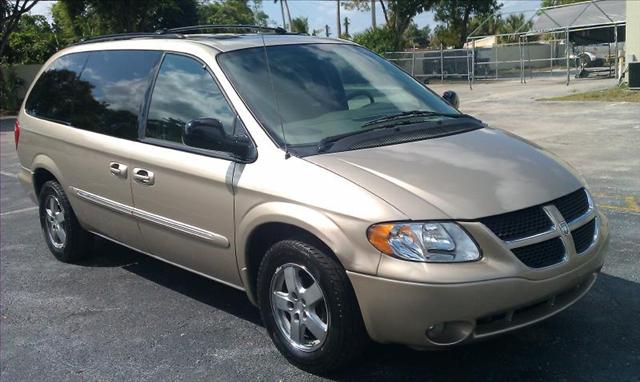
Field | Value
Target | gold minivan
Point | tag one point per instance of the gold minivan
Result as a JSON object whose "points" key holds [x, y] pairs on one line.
{"points": [[348, 201]]}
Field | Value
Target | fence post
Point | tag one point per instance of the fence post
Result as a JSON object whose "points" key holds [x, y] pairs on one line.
{"points": [[466, 51], [473, 63], [496, 47], [441, 64], [615, 34], [566, 48], [521, 60], [413, 62], [551, 46]]}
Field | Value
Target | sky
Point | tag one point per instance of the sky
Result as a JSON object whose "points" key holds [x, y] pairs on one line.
{"points": [[323, 12]]}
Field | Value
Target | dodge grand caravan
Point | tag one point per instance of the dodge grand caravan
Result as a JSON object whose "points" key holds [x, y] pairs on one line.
{"points": [[345, 198]]}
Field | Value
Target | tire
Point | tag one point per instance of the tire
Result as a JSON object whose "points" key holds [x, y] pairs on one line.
{"points": [[345, 334], [56, 215]]}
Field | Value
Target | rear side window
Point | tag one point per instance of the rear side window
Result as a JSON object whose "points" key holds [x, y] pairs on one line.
{"points": [[110, 91], [184, 90], [53, 94]]}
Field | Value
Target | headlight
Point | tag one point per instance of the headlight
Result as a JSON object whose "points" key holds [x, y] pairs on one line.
{"points": [[432, 242]]}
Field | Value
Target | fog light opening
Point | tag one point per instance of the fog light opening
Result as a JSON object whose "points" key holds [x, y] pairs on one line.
{"points": [[449, 333]]}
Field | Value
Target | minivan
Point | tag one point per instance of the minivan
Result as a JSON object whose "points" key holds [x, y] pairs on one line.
{"points": [[349, 201]]}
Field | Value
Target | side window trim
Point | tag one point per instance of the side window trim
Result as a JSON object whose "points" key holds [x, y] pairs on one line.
{"points": [[142, 128]]}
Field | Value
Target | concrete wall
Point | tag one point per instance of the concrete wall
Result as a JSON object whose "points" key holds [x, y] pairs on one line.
{"points": [[632, 45]]}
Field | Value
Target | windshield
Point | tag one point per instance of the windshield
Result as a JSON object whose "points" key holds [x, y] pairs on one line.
{"points": [[313, 92]]}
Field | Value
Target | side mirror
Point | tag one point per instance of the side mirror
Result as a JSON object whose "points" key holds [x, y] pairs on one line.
{"points": [[452, 98], [204, 133], [209, 134]]}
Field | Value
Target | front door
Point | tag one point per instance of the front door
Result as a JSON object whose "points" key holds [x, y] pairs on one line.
{"points": [[184, 196]]}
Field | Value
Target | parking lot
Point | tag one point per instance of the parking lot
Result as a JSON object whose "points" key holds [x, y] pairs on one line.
{"points": [[121, 315]]}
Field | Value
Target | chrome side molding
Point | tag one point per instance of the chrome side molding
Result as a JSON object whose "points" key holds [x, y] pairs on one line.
{"points": [[162, 221]]}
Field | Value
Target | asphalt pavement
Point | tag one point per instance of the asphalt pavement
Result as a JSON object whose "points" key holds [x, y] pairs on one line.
{"points": [[123, 316]]}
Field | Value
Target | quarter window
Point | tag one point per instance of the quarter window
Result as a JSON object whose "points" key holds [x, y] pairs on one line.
{"points": [[53, 94], [184, 91], [110, 91]]}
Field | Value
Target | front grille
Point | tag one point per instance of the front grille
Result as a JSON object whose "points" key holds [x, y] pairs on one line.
{"points": [[583, 236], [518, 224], [534, 220], [573, 205], [542, 254]]}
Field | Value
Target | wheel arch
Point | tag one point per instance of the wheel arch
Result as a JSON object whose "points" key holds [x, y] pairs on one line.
{"points": [[44, 169], [265, 225]]}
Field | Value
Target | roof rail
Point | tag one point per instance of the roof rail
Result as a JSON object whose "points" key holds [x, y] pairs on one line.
{"points": [[277, 30], [178, 32], [127, 36]]}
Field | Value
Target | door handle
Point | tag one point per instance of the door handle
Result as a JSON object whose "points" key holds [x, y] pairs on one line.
{"points": [[143, 176], [118, 169]]}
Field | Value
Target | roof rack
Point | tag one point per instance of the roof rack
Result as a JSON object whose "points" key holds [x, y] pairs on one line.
{"points": [[127, 36], [178, 32], [204, 27]]}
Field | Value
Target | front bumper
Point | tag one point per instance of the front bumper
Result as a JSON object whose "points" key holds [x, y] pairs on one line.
{"points": [[404, 312]]}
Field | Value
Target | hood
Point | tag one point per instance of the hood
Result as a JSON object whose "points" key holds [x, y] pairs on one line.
{"points": [[464, 176]]}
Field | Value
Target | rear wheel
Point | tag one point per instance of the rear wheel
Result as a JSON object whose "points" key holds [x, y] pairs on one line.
{"points": [[66, 239], [308, 307]]}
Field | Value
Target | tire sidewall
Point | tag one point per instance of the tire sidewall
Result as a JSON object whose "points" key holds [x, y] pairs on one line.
{"points": [[293, 252], [53, 188]]}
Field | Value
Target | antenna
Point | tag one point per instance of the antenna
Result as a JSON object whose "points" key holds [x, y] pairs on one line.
{"points": [[287, 155]]}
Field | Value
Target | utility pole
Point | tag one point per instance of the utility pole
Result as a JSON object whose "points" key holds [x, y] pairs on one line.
{"points": [[284, 22], [346, 27], [286, 7], [339, 28], [373, 14]]}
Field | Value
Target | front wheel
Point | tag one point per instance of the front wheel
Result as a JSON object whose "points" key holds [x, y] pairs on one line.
{"points": [[308, 307]]}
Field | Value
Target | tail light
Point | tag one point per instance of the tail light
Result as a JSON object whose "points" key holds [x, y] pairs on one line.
{"points": [[16, 133]]}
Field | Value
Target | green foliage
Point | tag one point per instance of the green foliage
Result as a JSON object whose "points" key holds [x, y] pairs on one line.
{"points": [[227, 12], [77, 19], [551, 3], [512, 24], [9, 86], [32, 42], [300, 25], [379, 40], [456, 17], [417, 37], [400, 15]]}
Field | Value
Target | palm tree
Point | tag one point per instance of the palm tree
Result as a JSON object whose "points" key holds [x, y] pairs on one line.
{"points": [[286, 24]]}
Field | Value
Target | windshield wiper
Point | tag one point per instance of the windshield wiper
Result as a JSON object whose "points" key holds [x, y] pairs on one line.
{"points": [[327, 142], [413, 113]]}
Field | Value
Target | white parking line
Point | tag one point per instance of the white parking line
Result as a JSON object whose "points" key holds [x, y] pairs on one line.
{"points": [[19, 211]]}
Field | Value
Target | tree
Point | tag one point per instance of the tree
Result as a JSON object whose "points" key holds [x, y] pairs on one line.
{"points": [[11, 14], [456, 15], [515, 24], [84, 18], [300, 25], [227, 12], [417, 36], [379, 40], [32, 42], [551, 3], [398, 15], [260, 18], [284, 6]]}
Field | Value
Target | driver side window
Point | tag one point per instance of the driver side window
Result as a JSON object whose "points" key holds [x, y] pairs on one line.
{"points": [[184, 91]]}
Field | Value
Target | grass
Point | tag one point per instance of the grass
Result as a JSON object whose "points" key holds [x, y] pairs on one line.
{"points": [[615, 94]]}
